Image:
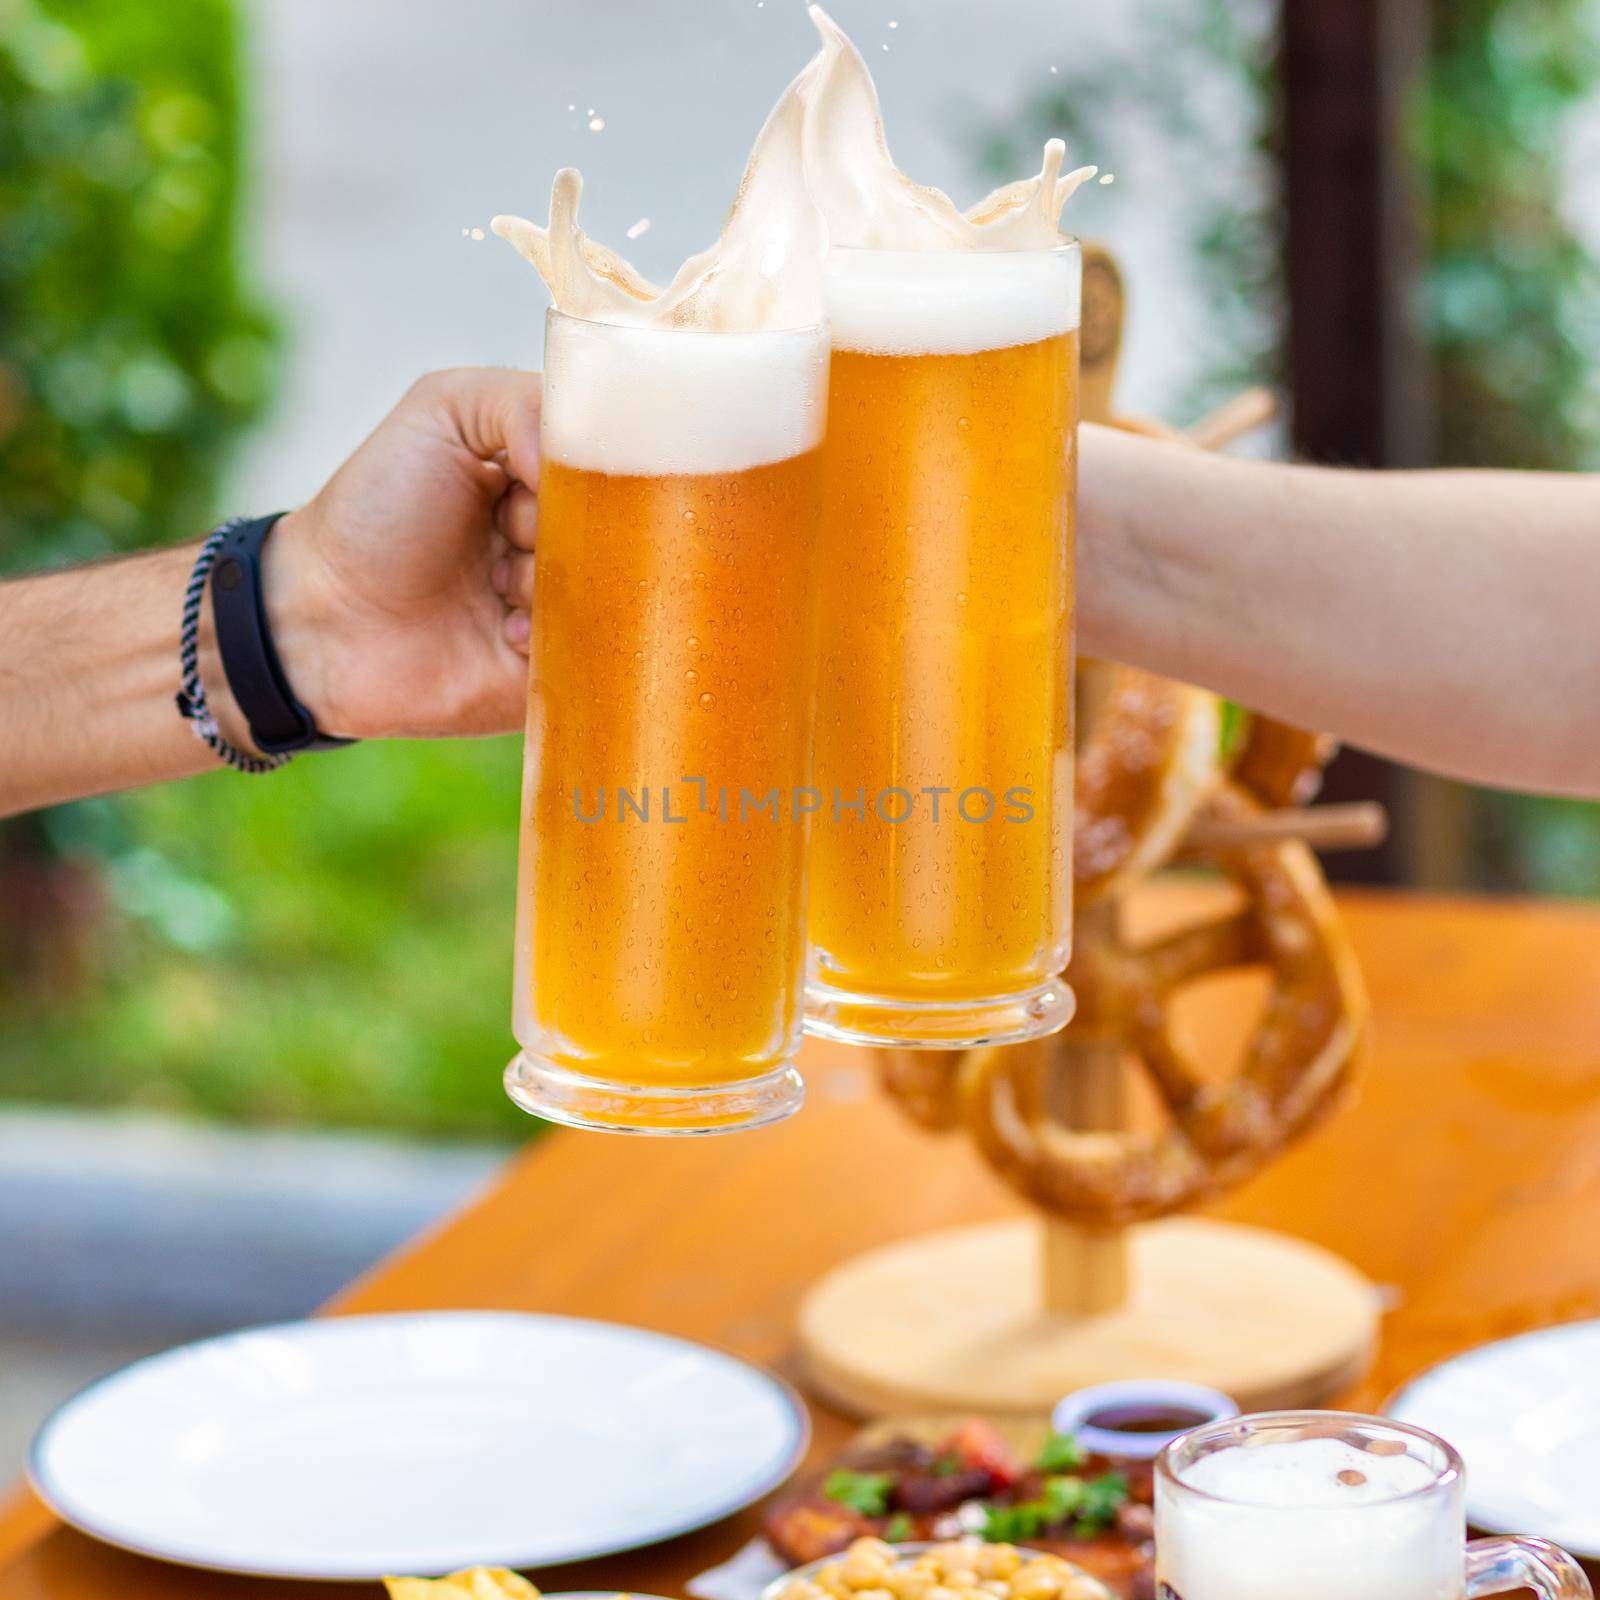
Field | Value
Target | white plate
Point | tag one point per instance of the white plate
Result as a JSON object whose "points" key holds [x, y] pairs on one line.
{"points": [[357, 1446], [1525, 1415]]}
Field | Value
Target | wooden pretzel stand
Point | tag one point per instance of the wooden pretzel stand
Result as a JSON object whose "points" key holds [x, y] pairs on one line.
{"points": [[1105, 1282]]}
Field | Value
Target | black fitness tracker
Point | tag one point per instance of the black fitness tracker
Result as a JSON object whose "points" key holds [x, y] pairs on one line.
{"points": [[279, 724]]}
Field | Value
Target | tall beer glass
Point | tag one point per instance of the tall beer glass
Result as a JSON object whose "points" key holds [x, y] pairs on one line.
{"points": [[661, 914], [941, 860]]}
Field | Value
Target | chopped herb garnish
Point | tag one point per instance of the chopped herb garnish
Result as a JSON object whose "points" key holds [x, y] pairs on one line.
{"points": [[1063, 1496], [866, 1492], [1012, 1524], [1102, 1498], [899, 1528], [1061, 1453], [1088, 1504]]}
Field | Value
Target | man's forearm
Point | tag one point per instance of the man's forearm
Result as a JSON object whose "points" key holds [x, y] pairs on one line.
{"points": [[88, 675], [1445, 619]]}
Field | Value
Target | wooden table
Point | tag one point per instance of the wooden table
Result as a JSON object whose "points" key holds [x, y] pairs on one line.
{"points": [[1466, 1181]]}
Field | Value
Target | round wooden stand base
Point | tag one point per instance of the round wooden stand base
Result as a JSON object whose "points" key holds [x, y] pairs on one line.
{"points": [[954, 1321]]}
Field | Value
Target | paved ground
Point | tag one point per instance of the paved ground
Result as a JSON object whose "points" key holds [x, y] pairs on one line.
{"points": [[123, 1235]]}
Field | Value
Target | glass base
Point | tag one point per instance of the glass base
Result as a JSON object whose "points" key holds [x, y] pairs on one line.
{"points": [[559, 1094], [937, 1025]]}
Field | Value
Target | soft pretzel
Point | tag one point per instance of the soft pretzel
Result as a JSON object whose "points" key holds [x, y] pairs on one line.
{"points": [[1152, 752], [1219, 1134], [1280, 765]]}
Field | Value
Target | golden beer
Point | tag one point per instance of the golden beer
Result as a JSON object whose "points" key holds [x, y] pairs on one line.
{"points": [[661, 921], [941, 859]]}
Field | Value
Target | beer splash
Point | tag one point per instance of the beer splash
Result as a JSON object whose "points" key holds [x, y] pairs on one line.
{"points": [[869, 203], [763, 273], [819, 174]]}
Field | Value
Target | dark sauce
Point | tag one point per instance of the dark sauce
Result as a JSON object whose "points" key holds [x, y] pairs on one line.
{"points": [[1168, 1419]]}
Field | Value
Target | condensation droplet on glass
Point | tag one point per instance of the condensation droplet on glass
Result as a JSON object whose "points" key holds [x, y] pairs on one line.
{"points": [[963, 423], [691, 676], [708, 699], [692, 642], [690, 518], [961, 599]]}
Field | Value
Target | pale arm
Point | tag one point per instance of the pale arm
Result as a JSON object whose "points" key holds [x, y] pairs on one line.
{"points": [[1446, 619]]}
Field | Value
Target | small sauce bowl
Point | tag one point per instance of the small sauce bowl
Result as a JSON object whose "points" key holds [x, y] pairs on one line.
{"points": [[1134, 1421]]}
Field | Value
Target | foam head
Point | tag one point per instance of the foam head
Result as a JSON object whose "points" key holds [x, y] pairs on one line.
{"points": [[1311, 1474], [665, 402]]}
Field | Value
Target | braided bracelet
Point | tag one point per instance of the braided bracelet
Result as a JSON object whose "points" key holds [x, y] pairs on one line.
{"points": [[192, 696]]}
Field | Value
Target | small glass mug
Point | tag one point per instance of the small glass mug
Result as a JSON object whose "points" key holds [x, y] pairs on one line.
{"points": [[1322, 1505]]}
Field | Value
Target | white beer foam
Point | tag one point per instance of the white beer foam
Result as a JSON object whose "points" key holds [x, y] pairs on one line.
{"points": [[1304, 1474], [949, 302], [663, 402], [869, 202]]}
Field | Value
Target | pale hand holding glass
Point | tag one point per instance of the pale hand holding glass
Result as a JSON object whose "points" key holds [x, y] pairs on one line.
{"points": [[1324, 1505]]}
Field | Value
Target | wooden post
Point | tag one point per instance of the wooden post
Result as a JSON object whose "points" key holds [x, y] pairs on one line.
{"points": [[1085, 1270]]}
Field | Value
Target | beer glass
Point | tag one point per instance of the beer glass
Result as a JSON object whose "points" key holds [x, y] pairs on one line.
{"points": [[941, 858], [1322, 1505], [661, 887]]}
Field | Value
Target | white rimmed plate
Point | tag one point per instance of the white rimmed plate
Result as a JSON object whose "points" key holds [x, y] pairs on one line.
{"points": [[1525, 1415], [351, 1447]]}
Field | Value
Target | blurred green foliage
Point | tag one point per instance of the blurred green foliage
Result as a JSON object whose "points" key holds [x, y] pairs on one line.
{"points": [[130, 352], [1510, 294], [331, 943], [1510, 302], [1182, 114], [328, 944]]}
